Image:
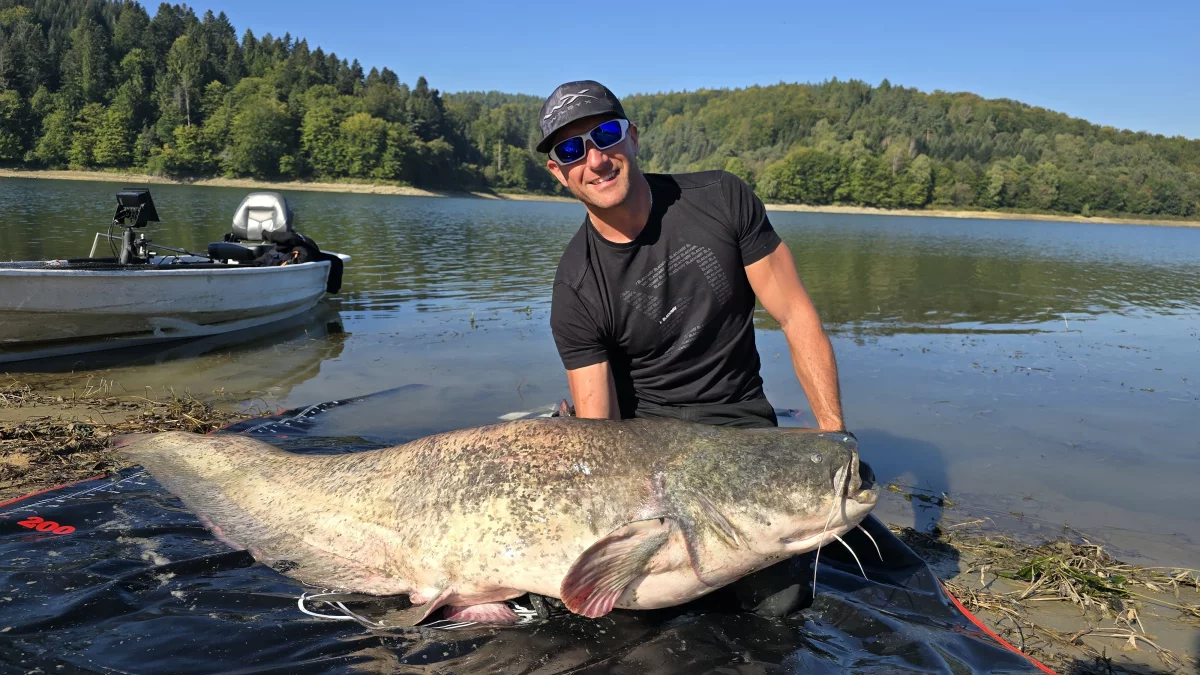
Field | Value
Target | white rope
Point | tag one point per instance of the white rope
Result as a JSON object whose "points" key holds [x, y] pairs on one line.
{"points": [[306, 596]]}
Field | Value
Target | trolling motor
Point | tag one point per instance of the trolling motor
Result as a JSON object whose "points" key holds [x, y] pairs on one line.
{"points": [[135, 208]]}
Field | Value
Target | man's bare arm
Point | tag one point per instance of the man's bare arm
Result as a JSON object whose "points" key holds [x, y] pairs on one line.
{"points": [[594, 391], [778, 286]]}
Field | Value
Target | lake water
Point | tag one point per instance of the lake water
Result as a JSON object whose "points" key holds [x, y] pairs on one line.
{"points": [[1042, 374]]}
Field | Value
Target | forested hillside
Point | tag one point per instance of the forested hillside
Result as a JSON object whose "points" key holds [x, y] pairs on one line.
{"points": [[97, 84]]}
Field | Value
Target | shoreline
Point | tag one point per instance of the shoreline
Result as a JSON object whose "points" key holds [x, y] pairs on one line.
{"points": [[255, 184], [408, 191], [981, 215]]}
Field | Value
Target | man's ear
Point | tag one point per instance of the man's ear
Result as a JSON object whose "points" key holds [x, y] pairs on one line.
{"points": [[633, 135], [552, 167]]}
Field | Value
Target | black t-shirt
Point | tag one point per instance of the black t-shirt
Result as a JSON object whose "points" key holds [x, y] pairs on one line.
{"points": [[672, 311]]}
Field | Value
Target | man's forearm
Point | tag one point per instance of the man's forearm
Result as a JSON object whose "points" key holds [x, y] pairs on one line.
{"points": [[816, 368]]}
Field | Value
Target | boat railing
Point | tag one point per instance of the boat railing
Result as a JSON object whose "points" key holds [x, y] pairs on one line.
{"points": [[96, 242]]}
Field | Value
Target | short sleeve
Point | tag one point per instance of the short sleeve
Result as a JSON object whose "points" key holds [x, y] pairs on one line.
{"points": [[756, 236], [577, 335]]}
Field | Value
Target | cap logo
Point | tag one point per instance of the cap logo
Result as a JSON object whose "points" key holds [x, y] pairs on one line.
{"points": [[567, 100]]}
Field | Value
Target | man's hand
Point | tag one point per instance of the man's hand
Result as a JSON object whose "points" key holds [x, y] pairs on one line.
{"points": [[594, 391], [778, 287]]}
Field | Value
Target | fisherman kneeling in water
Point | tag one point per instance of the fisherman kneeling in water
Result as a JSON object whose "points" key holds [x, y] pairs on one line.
{"points": [[653, 309], [654, 298]]}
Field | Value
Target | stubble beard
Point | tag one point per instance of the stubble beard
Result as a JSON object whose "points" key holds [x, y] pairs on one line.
{"points": [[614, 195]]}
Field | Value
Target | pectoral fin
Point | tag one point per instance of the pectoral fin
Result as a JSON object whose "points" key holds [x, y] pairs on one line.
{"points": [[602, 572]]}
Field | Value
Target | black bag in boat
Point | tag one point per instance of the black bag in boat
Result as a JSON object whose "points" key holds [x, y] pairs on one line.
{"points": [[292, 248]]}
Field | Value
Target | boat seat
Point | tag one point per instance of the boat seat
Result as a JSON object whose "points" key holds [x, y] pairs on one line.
{"points": [[260, 215], [238, 251]]}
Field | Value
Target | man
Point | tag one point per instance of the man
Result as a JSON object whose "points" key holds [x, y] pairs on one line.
{"points": [[654, 297]]}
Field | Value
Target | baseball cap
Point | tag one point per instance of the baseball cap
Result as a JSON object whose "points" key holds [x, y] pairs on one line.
{"points": [[572, 101]]}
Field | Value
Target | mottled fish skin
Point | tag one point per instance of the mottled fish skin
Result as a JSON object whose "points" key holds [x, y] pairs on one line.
{"points": [[635, 514]]}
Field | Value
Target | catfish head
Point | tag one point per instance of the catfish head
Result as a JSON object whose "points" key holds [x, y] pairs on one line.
{"points": [[723, 503], [773, 494]]}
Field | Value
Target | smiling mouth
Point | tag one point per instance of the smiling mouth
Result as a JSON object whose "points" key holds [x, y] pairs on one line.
{"points": [[612, 175]]}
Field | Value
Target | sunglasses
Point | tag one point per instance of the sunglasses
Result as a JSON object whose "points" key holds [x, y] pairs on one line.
{"points": [[605, 135]]}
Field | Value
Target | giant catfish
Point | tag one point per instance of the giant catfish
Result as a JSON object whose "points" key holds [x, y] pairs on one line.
{"points": [[633, 514]]}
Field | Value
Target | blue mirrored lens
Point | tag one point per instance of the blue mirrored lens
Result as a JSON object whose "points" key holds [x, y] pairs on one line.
{"points": [[607, 134], [569, 150]]}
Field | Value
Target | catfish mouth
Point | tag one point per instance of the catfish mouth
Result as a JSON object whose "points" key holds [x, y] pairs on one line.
{"points": [[848, 511], [866, 497]]}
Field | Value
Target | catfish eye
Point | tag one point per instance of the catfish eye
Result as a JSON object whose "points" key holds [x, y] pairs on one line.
{"points": [[816, 459]]}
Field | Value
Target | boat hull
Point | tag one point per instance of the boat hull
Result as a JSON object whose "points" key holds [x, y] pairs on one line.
{"points": [[48, 312]]}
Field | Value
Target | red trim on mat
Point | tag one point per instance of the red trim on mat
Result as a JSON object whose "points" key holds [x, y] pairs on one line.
{"points": [[979, 624], [51, 489]]}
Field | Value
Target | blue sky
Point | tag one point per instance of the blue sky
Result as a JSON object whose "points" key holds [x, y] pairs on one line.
{"points": [[1132, 65]]}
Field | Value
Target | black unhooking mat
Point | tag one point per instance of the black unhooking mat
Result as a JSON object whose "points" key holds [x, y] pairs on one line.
{"points": [[114, 575]]}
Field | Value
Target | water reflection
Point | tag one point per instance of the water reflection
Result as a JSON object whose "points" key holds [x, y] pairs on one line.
{"points": [[910, 274], [270, 360]]}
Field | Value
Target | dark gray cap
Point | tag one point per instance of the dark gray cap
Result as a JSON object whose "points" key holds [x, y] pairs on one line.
{"points": [[572, 101]]}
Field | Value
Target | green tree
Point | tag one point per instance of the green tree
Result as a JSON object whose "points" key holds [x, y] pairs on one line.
{"points": [[132, 94], [12, 15], [191, 152], [25, 61], [114, 138], [216, 96], [1168, 198], [86, 66], [998, 178], [128, 33], [363, 143], [1043, 185], [898, 152], [870, 182], [916, 184], [386, 101], [185, 62], [400, 154], [55, 143], [737, 167], [425, 110], [434, 164], [146, 148], [12, 122], [320, 133], [259, 138], [806, 176], [520, 170], [84, 133]]}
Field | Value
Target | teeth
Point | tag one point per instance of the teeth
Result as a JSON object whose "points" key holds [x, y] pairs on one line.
{"points": [[605, 179]]}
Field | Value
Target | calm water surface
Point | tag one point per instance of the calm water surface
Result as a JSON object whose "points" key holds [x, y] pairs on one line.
{"points": [[1042, 374]]}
